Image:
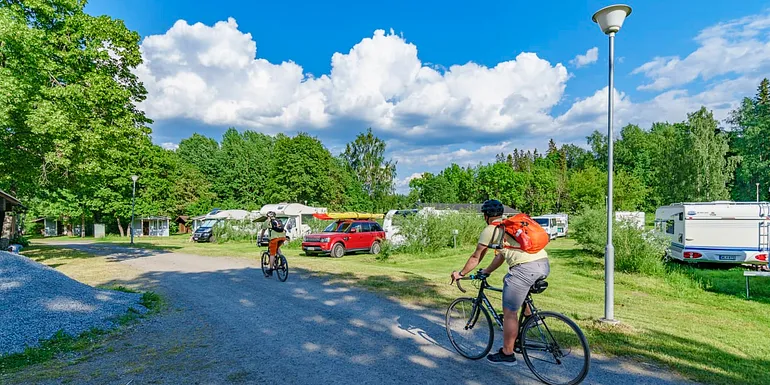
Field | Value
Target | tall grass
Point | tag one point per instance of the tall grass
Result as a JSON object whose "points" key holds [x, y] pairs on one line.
{"points": [[636, 251], [236, 231], [432, 232]]}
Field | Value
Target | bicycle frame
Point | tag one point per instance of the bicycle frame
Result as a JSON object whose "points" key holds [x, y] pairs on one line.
{"points": [[481, 299]]}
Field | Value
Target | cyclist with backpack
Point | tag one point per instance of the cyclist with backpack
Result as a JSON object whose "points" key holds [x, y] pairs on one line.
{"points": [[277, 239], [519, 242]]}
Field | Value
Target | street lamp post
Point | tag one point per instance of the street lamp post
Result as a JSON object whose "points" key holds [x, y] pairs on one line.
{"points": [[610, 19], [133, 204]]}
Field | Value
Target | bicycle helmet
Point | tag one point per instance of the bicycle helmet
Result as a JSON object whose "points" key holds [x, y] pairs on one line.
{"points": [[492, 208]]}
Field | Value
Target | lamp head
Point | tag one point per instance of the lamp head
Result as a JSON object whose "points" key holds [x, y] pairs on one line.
{"points": [[611, 18], [134, 177]]}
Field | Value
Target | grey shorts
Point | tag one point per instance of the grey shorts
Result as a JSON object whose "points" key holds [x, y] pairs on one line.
{"points": [[519, 279]]}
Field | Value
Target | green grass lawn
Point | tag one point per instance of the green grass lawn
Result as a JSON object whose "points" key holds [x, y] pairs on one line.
{"points": [[697, 322]]}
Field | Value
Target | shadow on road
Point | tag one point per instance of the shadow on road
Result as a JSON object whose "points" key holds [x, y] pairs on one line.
{"points": [[314, 328]]}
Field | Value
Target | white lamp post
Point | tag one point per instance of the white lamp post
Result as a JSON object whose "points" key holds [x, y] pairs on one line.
{"points": [[610, 19], [757, 192], [133, 203]]}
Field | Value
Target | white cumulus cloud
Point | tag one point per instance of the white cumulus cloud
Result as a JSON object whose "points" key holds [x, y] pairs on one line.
{"points": [[170, 145], [740, 47], [590, 57], [212, 74]]}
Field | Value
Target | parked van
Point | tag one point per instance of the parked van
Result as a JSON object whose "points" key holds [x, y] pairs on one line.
{"points": [[557, 221], [549, 223], [718, 232]]}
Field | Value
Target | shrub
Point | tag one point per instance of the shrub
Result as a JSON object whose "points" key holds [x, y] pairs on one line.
{"points": [[20, 240], [235, 230], [636, 251], [432, 232]]}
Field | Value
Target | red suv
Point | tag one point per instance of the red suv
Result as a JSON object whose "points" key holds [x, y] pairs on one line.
{"points": [[345, 236]]}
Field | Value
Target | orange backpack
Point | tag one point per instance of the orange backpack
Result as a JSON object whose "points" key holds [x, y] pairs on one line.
{"points": [[529, 234]]}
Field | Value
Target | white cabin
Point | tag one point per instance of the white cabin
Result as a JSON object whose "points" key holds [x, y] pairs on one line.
{"points": [[721, 232]]}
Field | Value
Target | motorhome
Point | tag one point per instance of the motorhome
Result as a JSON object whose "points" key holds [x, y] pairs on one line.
{"points": [[632, 218], [291, 215], [716, 232]]}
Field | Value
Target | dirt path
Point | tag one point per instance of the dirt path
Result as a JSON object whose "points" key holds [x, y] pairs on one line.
{"points": [[227, 324]]}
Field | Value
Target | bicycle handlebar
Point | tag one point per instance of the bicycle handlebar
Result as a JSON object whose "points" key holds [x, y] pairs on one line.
{"points": [[478, 275]]}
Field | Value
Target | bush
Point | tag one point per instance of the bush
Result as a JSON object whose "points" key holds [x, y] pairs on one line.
{"points": [[236, 230], [432, 232], [20, 240], [636, 251]]}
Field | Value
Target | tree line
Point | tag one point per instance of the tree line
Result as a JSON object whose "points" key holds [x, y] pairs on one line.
{"points": [[697, 159]]}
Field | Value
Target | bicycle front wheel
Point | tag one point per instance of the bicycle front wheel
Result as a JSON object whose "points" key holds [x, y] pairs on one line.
{"points": [[469, 328], [283, 268], [265, 263], [555, 349]]}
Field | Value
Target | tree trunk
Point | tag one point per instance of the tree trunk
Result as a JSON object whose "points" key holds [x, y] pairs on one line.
{"points": [[82, 225], [120, 227]]}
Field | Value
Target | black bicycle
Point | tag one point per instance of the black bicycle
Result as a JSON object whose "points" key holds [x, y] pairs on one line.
{"points": [[280, 265], [553, 346]]}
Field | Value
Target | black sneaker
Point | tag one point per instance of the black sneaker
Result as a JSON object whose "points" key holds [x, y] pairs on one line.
{"points": [[269, 273], [502, 358]]}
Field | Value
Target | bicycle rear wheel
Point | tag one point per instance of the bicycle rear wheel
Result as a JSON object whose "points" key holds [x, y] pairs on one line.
{"points": [[265, 263], [555, 349], [469, 328], [283, 268]]}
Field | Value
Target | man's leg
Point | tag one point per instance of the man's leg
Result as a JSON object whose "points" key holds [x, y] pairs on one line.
{"points": [[272, 249], [510, 330]]}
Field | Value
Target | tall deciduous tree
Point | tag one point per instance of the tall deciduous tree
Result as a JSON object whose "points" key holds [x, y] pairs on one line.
{"points": [[366, 158], [68, 98]]}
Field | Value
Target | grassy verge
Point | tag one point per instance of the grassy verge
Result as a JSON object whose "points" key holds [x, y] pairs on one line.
{"points": [[694, 321]]}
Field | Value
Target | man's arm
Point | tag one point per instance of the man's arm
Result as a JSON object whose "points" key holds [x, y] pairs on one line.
{"points": [[473, 261], [499, 259]]}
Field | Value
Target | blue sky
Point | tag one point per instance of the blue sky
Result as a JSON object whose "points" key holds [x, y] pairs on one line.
{"points": [[524, 87]]}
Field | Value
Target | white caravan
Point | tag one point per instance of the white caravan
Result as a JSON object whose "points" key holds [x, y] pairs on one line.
{"points": [[720, 232], [633, 218], [291, 215]]}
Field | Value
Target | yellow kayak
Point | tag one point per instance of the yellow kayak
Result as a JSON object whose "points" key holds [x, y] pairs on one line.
{"points": [[348, 215]]}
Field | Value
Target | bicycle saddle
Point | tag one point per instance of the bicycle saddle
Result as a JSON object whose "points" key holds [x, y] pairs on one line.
{"points": [[539, 286]]}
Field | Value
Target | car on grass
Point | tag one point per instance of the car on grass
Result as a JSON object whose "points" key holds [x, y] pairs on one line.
{"points": [[345, 236]]}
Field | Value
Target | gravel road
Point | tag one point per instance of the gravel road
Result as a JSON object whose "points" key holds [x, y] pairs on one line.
{"points": [[227, 324]]}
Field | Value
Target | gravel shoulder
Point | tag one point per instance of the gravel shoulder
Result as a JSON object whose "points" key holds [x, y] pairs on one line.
{"points": [[38, 301], [227, 324]]}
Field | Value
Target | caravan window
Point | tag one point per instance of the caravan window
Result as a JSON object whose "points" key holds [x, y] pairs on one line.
{"points": [[670, 226], [542, 221]]}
